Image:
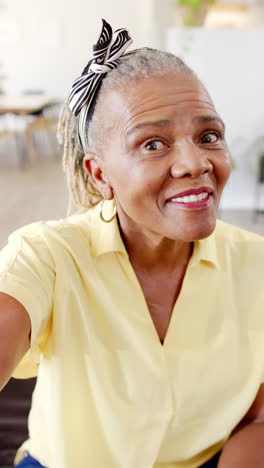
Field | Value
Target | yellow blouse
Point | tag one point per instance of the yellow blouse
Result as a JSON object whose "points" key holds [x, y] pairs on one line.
{"points": [[108, 393]]}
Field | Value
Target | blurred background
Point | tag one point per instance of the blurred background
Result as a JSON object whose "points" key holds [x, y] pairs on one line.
{"points": [[44, 45]]}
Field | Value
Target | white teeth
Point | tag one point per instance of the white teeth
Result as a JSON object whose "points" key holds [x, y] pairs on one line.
{"points": [[190, 198]]}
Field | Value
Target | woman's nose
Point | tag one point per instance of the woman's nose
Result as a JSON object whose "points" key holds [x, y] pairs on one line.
{"points": [[190, 161]]}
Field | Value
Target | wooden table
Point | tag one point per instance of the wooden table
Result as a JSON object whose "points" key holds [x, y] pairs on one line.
{"points": [[24, 106]]}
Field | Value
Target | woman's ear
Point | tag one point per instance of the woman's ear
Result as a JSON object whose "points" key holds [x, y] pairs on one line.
{"points": [[94, 167]]}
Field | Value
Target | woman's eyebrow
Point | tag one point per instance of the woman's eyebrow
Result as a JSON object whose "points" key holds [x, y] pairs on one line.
{"points": [[152, 123], [208, 118], [169, 123]]}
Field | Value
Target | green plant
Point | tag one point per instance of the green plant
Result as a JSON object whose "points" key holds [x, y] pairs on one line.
{"points": [[194, 11]]}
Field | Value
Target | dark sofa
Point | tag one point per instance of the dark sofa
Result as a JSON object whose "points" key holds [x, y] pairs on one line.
{"points": [[15, 402]]}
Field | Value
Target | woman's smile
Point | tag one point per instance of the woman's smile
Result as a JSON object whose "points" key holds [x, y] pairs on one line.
{"points": [[193, 198]]}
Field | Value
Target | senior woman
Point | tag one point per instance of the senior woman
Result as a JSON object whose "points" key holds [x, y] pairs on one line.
{"points": [[142, 315]]}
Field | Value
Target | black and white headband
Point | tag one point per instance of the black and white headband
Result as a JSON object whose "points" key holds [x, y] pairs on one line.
{"points": [[106, 52]]}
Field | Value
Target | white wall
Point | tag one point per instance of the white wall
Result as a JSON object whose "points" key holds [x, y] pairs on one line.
{"points": [[230, 63], [53, 40]]}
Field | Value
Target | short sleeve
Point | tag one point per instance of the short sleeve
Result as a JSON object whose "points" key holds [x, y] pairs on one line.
{"points": [[27, 273]]}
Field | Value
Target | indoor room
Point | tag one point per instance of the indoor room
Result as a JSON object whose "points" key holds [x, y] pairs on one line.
{"points": [[44, 47]]}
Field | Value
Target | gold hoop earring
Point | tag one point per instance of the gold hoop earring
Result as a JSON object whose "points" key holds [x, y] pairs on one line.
{"points": [[101, 212]]}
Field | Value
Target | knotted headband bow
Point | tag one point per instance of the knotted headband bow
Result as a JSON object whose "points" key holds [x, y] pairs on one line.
{"points": [[106, 52]]}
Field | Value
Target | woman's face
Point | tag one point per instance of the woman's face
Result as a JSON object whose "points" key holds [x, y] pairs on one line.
{"points": [[166, 160]]}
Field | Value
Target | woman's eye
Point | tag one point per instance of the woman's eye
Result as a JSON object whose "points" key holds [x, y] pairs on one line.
{"points": [[210, 138], [154, 145]]}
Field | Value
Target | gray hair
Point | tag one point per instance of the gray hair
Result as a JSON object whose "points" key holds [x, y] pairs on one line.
{"points": [[140, 63], [137, 64]]}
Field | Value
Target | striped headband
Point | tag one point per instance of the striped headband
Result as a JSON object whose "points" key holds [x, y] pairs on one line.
{"points": [[106, 52]]}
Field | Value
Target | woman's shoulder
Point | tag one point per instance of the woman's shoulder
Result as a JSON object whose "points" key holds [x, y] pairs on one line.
{"points": [[55, 228], [70, 233], [240, 246], [233, 233]]}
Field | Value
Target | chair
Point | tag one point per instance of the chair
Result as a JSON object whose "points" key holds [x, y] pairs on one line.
{"points": [[47, 126], [42, 122], [12, 135], [30, 92]]}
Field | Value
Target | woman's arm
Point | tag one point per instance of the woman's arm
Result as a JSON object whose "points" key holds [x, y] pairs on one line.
{"points": [[14, 335], [245, 448]]}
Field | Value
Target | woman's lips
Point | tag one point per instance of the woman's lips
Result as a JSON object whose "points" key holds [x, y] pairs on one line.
{"points": [[195, 199]]}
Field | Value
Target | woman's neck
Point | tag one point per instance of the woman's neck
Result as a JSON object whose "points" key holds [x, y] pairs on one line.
{"points": [[150, 251]]}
